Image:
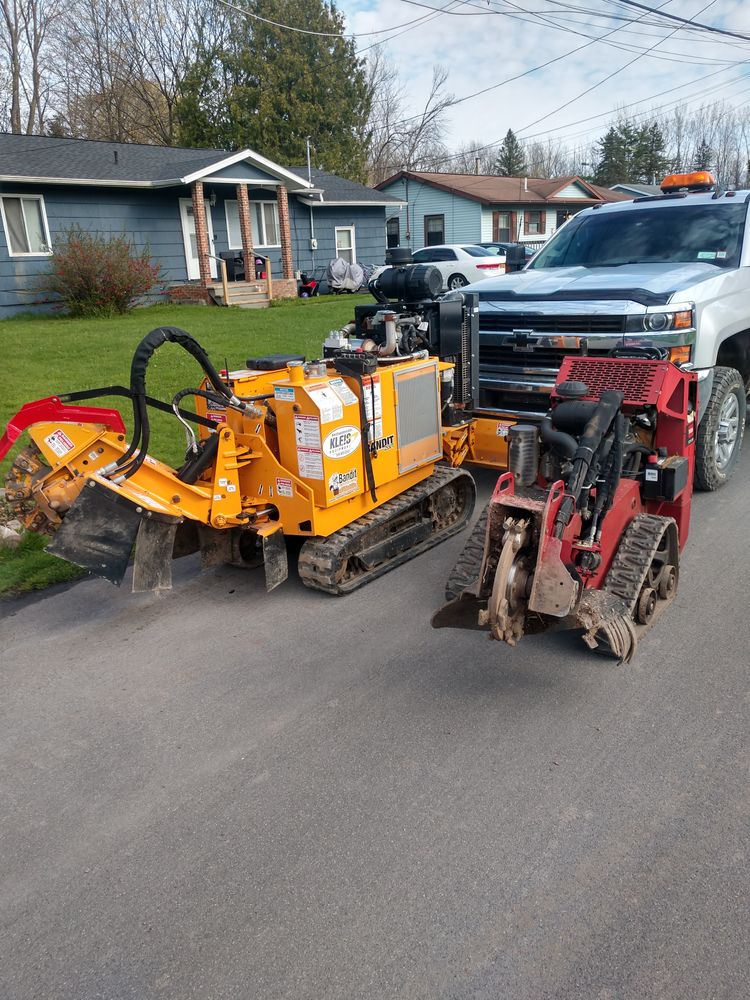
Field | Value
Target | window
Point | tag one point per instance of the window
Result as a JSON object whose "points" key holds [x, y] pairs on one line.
{"points": [[535, 223], [433, 256], [392, 233], [434, 230], [265, 219], [345, 245], [25, 224], [503, 227]]}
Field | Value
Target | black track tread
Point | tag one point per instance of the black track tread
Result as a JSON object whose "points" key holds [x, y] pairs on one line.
{"points": [[634, 555], [467, 567], [320, 558]]}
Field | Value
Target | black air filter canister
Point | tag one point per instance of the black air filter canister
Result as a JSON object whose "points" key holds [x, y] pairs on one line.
{"points": [[523, 453]]}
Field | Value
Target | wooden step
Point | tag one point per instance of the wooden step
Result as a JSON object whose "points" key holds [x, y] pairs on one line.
{"points": [[247, 295]]}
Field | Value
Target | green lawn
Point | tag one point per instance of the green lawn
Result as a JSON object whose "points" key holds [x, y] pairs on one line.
{"points": [[43, 356]]}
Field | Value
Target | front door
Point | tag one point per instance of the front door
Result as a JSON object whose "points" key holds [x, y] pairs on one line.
{"points": [[191, 240], [345, 246]]}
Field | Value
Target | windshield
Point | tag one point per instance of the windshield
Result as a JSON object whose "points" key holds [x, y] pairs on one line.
{"points": [[710, 234]]}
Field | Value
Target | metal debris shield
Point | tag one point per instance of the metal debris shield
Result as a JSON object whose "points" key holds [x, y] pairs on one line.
{"points": [[100, 529]]}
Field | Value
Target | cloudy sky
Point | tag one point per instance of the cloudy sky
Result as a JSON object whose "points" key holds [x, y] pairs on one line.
{"points": [[486, 42]]}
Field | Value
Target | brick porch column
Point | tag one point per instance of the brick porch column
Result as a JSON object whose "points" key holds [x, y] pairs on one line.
{"points": [[201, 233], [246, 229], [286, 234]]}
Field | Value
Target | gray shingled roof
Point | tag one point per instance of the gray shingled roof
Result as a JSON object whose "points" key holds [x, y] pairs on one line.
{"points": [[48, 157], [337, 188]]}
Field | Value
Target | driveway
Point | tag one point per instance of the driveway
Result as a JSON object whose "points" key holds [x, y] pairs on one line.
{"points": [[221, 794]]}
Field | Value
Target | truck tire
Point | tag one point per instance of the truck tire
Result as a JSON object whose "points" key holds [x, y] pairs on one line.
{"points": [[719, 439]]}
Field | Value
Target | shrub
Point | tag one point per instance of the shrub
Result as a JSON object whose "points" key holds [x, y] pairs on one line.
{"points": [[96, 275]]}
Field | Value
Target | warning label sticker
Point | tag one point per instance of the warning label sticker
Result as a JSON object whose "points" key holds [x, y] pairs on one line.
{"points": [[220, 418], [502, 429], [373, 405], [326, 400], [307, 439], [59, 442], [307, 431], [310, 463], [284, 487], [284, 392], [343, 391]]}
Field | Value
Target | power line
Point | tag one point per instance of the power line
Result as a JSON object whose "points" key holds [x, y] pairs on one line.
{"points": [[609, 76], [685, 21], [317, 34]]}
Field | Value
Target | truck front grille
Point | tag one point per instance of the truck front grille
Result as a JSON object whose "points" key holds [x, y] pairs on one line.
{"points": [[506, 322], [494, 355]]}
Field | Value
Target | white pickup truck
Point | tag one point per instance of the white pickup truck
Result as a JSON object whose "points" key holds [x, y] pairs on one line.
{"points": [[668, 272]]}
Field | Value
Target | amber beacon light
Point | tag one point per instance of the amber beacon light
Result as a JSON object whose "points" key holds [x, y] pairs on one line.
{"points": [[699, 180]]}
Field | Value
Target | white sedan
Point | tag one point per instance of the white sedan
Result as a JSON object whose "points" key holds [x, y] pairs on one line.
{"points": [[461, 263]]}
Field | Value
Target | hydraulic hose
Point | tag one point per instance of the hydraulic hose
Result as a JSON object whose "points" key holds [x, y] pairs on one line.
{"points": [[135, 455]]}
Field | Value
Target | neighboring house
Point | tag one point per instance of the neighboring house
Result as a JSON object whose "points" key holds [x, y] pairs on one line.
{"points": [[479, 208], [187, 205], [637, 190]]}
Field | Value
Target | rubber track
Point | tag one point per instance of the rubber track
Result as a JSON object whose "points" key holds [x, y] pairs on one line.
{"points": [[320, 558], [634, 556], [469, 563]]}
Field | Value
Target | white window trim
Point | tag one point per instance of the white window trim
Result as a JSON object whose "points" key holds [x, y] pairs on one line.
{"points": [[255, 201], [268, 201], [349, 229], [6, 228]]}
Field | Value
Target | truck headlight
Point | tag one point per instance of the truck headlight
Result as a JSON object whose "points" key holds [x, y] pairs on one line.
{"points": [[660, 321]]}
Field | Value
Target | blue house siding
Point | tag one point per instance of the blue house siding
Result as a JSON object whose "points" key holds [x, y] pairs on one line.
{"points": [[369, 233], [152, 217], [147, 217], [463, 217]]}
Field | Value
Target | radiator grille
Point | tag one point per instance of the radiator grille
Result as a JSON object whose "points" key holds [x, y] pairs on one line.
{"points": [[639, 381], [418, 416]]}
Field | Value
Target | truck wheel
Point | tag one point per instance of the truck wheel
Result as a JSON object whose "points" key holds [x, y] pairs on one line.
{"points": [[456, 281], [719, 439]]}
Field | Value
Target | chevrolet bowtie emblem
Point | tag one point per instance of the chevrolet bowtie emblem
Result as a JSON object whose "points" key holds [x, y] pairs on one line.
{"points": [[523, 340]]}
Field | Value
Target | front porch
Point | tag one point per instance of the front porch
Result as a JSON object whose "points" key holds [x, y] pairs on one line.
{"points": [[214, 270]]}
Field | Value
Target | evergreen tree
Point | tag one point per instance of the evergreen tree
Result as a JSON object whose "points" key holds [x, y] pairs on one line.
{"points": [[613, 166], [510, 161], [703, 156], [650, 160], [270, 88]]}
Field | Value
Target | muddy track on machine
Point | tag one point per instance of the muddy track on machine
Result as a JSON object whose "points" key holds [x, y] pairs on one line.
{"points": [[395, 532], [466, 570]]}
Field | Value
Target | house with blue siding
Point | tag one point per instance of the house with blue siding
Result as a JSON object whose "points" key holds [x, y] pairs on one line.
{"points": [[481, 208], [197, 210]]}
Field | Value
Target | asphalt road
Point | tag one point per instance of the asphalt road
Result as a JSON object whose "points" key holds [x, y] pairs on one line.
{"points": [[223, 794]]}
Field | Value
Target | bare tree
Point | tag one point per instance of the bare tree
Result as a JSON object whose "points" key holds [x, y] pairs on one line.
{"points": [[25, 30], [396, 137]]}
